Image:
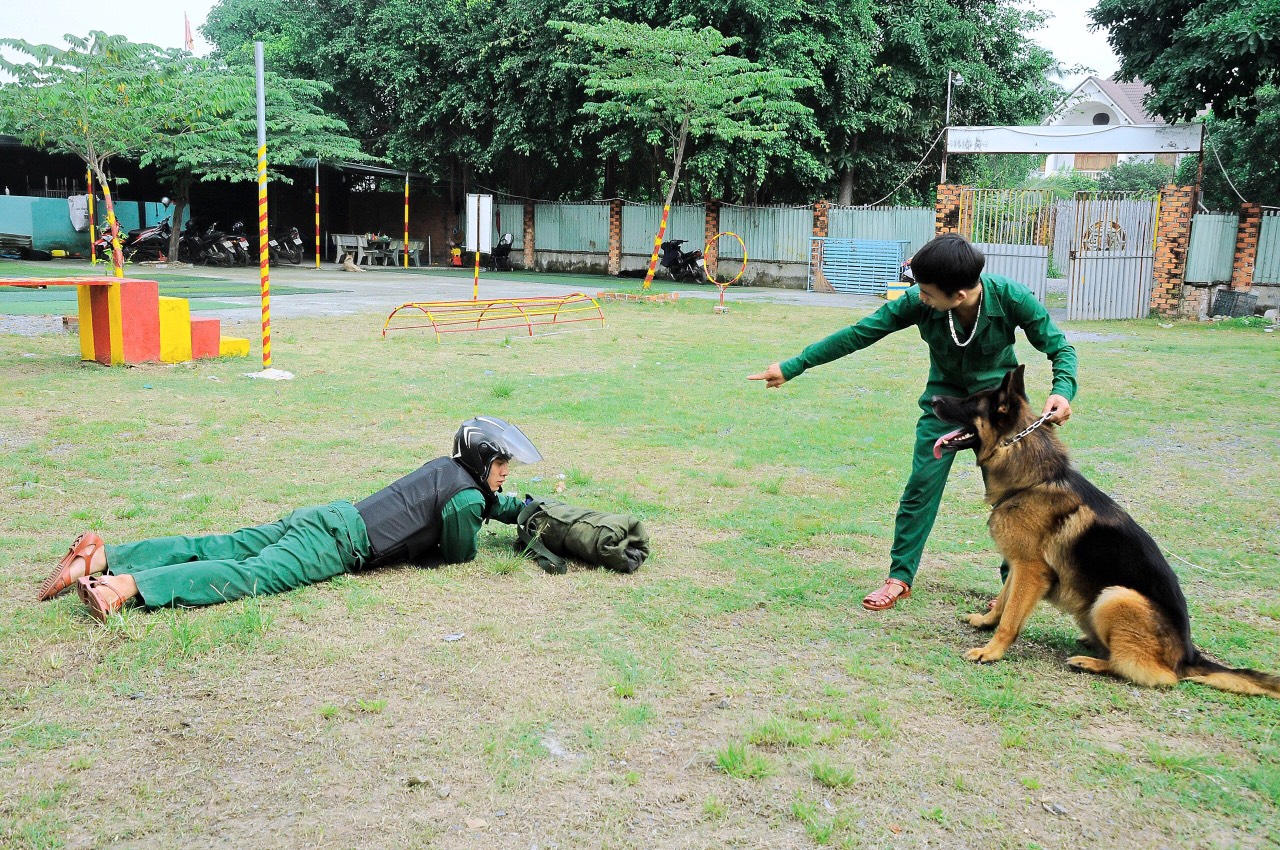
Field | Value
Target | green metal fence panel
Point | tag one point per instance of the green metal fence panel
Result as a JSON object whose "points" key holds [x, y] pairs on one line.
{"points": [[509, 218], [640, 225], [914, 225], [571, 227], [774, 234], [1266, 268], [1211, 253]]}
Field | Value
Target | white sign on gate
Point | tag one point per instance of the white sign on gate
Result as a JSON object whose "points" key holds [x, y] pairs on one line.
{"points": [[1164, 138], [480, 223]]}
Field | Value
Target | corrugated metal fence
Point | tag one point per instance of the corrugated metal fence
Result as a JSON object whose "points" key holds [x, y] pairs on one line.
{"points": [[640, 225], [510, 219], [1211, 252], [571, 227], [914, 225], [1266, 268], [777, 234]]}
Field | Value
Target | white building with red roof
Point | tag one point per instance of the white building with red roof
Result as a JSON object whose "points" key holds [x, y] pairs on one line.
{"points": [[1102, 103]]}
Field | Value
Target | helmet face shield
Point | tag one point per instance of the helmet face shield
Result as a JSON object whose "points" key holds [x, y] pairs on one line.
{"points": [[484, 439]]}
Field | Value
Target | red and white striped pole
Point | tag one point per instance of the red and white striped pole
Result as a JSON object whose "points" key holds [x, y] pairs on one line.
{"points": [[264, 256], [657, 245]]}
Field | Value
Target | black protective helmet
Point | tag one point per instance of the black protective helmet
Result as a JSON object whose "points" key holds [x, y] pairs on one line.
{"points": [[481, 441]]}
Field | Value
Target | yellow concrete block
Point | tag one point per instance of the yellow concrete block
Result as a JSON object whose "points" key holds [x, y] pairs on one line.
{"points": [[896, 291], [231, 346], [175, 330]]}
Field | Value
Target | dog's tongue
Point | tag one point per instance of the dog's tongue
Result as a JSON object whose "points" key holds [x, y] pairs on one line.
{"points": [[937, 447]]}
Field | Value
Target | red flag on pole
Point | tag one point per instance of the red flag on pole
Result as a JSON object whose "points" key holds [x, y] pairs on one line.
{"points": [[187, 39]]}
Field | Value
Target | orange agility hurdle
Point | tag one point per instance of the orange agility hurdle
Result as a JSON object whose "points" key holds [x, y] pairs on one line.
{"points": [[549, 313]]}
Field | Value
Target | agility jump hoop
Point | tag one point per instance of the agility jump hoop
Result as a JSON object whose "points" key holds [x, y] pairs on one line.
{"points": [[723, 285], [549, 314], [715, 240]]}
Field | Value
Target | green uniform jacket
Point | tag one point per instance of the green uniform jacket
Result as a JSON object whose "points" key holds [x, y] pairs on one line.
{"points": [[462, 518], [1006, 306]]}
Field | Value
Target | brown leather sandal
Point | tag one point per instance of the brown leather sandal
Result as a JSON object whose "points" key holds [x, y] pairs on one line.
{"points": [[103, 599], [880, 600], [62, 578]]}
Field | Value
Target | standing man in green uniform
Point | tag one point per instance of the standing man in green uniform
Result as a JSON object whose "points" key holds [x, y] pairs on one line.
{"points": [[967, 319], [436, 510]]}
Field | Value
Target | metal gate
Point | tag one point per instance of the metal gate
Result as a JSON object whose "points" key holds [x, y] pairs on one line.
{"points": [[1112, 255], [1014, 228]]}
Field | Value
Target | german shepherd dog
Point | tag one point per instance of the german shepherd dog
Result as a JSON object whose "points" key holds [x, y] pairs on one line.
{"points": [[1068, 542]]}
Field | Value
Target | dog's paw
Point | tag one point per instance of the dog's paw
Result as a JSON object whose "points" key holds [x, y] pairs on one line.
{"points": [[1087, 664], [984, 654], [982, 621]]}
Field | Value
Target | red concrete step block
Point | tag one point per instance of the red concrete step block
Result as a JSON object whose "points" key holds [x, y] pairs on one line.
{"points": [[205, 338]]}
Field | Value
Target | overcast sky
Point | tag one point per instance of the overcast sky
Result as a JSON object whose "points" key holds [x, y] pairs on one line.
{"points": [[160, 22]]}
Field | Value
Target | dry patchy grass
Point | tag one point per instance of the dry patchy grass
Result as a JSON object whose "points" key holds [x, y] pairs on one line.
{"points": [[732, 693]]}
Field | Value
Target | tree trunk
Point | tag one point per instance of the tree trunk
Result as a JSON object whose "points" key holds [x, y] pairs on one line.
{"points": [[666, 208], [117, 255], [181, 197], [846, 188]]}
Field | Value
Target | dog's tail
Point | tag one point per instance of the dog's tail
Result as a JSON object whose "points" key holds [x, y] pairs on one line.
{"points": [[1237, 680]]}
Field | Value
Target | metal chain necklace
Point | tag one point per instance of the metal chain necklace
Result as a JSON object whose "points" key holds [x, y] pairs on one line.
{"points": [[952, 324], [1027, 430]]}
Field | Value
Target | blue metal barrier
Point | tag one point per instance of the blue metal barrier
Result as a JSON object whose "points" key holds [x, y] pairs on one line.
{"points": [[857, 266]]}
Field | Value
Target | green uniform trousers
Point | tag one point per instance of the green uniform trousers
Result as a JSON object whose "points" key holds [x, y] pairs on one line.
{"points": [[309, 545], [923, 494]]}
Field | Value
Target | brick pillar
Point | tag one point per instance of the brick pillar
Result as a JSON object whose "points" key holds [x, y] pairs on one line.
{"points": [[1173, 234], [947, 210], [1246, 247], [711, 226], [528, 235], [615, 237], [821, 218]]}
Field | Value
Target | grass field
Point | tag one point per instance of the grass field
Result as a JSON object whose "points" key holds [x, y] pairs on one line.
{"points": [[732, 693]]}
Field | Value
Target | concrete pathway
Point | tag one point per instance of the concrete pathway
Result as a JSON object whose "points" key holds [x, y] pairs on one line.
{"points": [[381, 290]]}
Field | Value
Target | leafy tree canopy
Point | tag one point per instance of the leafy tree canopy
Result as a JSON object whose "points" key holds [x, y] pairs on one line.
{"points": [[1240, 157], [1196, 52], [1136, 176], [480, 91]]}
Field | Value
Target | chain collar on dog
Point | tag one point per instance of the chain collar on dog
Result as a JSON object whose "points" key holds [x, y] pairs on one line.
{"points": [[1027, 430]]}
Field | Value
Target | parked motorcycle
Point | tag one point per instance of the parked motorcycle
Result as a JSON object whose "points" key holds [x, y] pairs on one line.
{"points": [[211, 247], [286, 248], [683, 265], [240, 244], [139, 245]]}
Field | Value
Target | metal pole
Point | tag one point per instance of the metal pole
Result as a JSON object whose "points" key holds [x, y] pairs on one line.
{"points": [[264, 256], [406, 219]]}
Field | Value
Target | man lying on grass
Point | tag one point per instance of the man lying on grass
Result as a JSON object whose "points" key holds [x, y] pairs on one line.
{"points": [[437, 509]]}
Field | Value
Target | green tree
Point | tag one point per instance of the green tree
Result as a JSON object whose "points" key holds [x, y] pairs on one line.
{"points": [[1240, 157], [678, 84], [480, 90], [103, 97], [1136, 176], [1196, 52], [297, 127]]}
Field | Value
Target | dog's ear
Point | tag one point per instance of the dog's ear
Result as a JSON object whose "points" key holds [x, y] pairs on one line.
{"points": [[1012, 388]]}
